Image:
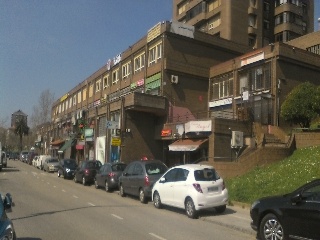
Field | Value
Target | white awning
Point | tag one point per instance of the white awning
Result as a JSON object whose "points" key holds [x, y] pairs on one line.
{"points": [[186, 145]]}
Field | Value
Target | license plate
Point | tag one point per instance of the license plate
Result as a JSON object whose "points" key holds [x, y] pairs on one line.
{"points": [[213, 189]]}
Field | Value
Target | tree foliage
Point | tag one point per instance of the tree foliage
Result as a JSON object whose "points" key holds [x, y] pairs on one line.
{"points": [[301, 105], [21, 129]]}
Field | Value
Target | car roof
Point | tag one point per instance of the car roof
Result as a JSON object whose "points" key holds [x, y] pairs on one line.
{"points": [[194, 166]]}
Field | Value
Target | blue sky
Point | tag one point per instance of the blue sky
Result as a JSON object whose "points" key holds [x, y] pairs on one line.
{"points": [[55, 45]]}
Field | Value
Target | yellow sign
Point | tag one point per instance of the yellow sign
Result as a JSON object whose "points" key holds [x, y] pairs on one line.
{"points": [[115, 141]]}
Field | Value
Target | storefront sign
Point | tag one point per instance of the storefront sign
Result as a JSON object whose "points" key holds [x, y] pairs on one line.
{"points": [[221, 102], [112, 125], [198, 126], [115, 141]]}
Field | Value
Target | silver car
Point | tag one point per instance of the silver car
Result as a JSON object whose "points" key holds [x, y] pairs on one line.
{"points": [[51, 165]]}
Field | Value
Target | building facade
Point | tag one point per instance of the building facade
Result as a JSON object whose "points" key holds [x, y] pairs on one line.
{"points": [[119, 113], [250, 22]]}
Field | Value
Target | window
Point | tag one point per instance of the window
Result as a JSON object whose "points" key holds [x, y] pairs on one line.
{"points": [[155, 52], [62, 107], [74, 100], [222, 86], [70, 103], [90, 90], [266, 24], [213, 5], [139, 62], [98, 85], [79, 97], [66, 102], [214, 22], [182, 7], [252, 20], [106, 81], [126, 70], [314, 49], [84, 94], [251, 41], [196, 10], [115, 76]]}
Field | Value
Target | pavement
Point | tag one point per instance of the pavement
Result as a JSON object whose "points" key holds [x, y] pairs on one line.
{"points": [[236, 217]]}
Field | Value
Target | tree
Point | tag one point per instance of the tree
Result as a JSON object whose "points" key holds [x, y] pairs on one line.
{"points": [[21, 129], [301, 105], [42, 111]]}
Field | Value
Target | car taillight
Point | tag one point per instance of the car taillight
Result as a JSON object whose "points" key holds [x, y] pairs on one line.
{"points": [[111, 174], [86, 171], [146, 181], [197, 187]]}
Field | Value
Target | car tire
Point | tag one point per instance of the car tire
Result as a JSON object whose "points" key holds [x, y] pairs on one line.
{"points": [[142, 196], [190, 209], [270, 225], [96, 184], [122, 193], [75, 179], [84, 182], [221, 209], [59, 173], [157, 200], [107, 187]]}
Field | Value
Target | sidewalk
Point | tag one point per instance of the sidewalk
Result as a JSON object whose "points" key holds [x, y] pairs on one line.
{"points": [[236, 217]]}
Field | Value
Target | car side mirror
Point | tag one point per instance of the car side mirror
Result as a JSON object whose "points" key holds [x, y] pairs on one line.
{"points": [[163, 180], [296, 199]]}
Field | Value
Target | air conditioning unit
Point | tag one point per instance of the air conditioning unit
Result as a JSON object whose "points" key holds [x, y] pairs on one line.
{"points": [[237, 139], [174, 79]]}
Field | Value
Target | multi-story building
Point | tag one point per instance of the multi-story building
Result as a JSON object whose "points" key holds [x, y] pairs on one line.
{"points": [[250, 22], [121, 108]]}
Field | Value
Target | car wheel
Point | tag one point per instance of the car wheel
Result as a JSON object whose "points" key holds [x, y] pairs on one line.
{"points": [[142, 196], [190, 209], [122, 193], [107, 187], [156, 200], [75, 179], [59, 174], [221, 209], [84, 181], [271, 228], [96, 184]]}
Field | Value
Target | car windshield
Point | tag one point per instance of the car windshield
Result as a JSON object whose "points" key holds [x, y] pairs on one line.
{"points": [[53, 160], [94, 164], [118, 167], [70, 163], [207, 174], [155, 168]]}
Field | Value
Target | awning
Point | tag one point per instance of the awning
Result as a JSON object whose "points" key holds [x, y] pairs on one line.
{"points": [[66, 145], [57, 142], [79, 147], [186, 145]]}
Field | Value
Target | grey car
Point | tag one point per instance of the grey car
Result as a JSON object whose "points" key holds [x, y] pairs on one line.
{"points": [[51, 165], [139, 176]]}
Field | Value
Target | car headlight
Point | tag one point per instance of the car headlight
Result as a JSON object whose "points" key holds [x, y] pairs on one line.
{"points": [[254, 204]]}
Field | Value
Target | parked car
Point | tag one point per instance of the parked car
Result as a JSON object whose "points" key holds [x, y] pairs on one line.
{"points": [[50, 164], [34, 161], [192, 187], [108, 175], [291, 216], [4, 159], [6, 226], [24, 156], [31, 156], [66, 168], [139, 176], [86, 172], [41, 160]]}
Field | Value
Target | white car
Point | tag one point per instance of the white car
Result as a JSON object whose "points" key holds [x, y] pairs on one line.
{"points": [[40, 161], [192, 187], [34, 161]]}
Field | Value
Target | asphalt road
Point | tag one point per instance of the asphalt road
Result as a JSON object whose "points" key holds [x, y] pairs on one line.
{"points": [[48, 207]]}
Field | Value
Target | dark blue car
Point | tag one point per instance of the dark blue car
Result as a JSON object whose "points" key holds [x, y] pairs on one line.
{"points": [[6, 227]]}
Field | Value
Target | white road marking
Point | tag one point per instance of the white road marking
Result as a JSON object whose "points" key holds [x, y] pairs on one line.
{"points": [[54, 186], [63, 190], [75, 196], [116, 216], [91, 204], [156, 236]]}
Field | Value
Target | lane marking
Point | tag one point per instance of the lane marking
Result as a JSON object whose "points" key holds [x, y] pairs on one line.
{"points": [[156, 236], [116, 216], [63, 190], [75, 196], [91, 204]]}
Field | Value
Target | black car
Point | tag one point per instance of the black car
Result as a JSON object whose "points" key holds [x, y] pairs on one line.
{"points": [[139, 176], [6, 226], [108, 175], [66, 168], [292, 216], [86, 172]]}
